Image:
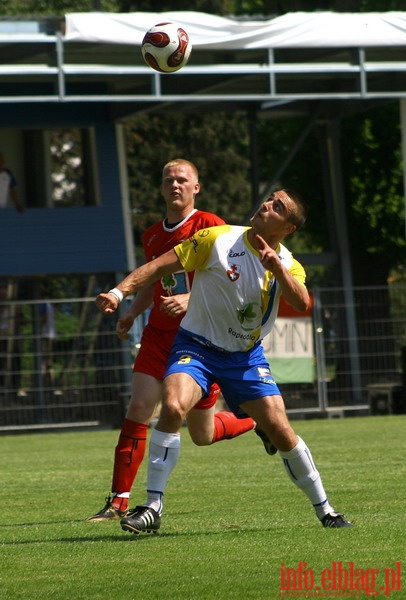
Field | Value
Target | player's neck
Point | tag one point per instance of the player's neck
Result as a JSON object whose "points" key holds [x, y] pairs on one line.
{"points": [[171, 224], [176, 216], [253, 240]]}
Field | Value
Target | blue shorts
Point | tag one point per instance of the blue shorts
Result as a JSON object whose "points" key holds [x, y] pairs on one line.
{"points": [[242, 376]]}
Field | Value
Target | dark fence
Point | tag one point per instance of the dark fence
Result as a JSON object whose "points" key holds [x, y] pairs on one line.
{"points": [[62, 365], [360, 353]]}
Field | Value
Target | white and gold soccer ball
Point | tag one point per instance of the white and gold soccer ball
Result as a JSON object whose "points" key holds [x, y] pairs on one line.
{"points": [[166, 47]]}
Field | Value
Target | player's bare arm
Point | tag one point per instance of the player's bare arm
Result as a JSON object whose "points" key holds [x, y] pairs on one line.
{"points": [[143, 300], [292, 290], [142, 277]]}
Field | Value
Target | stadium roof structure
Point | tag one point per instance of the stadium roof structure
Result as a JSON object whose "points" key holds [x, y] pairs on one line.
{"points": [[283, 63]]}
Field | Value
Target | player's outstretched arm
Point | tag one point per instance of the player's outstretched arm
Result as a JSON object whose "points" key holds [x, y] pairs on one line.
{"points": [[293, 291], [143, 276]]}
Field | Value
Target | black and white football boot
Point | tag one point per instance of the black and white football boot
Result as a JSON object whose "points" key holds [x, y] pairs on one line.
{"points": [[141, 518]]}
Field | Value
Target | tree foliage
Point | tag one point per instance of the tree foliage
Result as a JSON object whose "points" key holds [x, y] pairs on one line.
{"points": [[218, 143], [374, 188], [218, 7]]}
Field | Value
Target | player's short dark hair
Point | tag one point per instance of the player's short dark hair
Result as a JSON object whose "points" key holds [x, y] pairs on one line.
{"points": [[299, 215]]}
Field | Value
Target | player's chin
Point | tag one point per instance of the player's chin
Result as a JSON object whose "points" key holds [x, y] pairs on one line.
{"points": [[176, 202]]}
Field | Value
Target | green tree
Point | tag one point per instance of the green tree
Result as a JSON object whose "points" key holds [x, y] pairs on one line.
{"points": [[373, 184], [216, 7], [374, 189], [46, 7], [217, 142]]}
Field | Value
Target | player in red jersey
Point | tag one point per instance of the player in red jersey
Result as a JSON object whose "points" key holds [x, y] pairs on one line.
{"points": [[168, 298]]}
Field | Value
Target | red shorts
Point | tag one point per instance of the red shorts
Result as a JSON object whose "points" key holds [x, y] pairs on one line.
{"points": [[153, 356]]}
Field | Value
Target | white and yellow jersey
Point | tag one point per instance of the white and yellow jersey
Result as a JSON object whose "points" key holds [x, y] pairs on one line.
{"points": [[234, 300]]}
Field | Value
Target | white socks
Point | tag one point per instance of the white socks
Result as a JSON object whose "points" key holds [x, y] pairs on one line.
{"points": [[302, 471], [164, 450]]}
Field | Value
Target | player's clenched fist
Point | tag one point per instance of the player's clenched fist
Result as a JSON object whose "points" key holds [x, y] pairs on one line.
{"points": [[123, 326], [107, 303]]}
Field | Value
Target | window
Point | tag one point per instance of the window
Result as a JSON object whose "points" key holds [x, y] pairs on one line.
{"points": [[62, 168]]}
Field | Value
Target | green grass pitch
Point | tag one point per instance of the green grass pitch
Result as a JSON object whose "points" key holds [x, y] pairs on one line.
{"points": [[234, 526]]}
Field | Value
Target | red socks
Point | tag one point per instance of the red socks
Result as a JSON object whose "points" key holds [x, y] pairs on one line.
{"points": [[129, 454], [227, 426], [132, 441], [119, 503]]}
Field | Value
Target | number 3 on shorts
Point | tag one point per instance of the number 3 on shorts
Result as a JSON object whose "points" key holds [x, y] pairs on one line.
{"points": [[185, 359]]}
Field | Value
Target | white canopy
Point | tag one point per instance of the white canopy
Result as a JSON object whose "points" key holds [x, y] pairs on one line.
{"points": [[293, 30]]}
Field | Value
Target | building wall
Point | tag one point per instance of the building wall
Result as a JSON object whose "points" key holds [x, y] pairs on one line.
{"points": [[77, 239], [86, 239]]}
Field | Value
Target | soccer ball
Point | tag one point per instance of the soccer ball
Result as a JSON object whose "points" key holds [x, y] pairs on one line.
{"points": [[166, 47]]}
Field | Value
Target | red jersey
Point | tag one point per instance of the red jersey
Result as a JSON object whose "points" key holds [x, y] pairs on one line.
{"points": [[157, 240]]}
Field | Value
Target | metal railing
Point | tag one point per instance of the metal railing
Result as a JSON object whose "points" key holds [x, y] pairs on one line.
{"points": [[54, 71], [82, 376]]}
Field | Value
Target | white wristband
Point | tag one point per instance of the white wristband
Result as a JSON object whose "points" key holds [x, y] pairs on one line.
{"points": [[117, 294]]}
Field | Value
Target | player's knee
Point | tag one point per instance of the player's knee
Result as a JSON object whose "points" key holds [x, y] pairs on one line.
{"points": [[140, 410], [173, 412], [283, 436]]}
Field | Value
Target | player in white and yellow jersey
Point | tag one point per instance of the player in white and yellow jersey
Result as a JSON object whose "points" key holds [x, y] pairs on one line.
{"points": [[240, 274], [235, 298]]}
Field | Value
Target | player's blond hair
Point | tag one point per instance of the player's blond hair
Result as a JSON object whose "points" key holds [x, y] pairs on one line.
{"points": [[182, 161]]}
